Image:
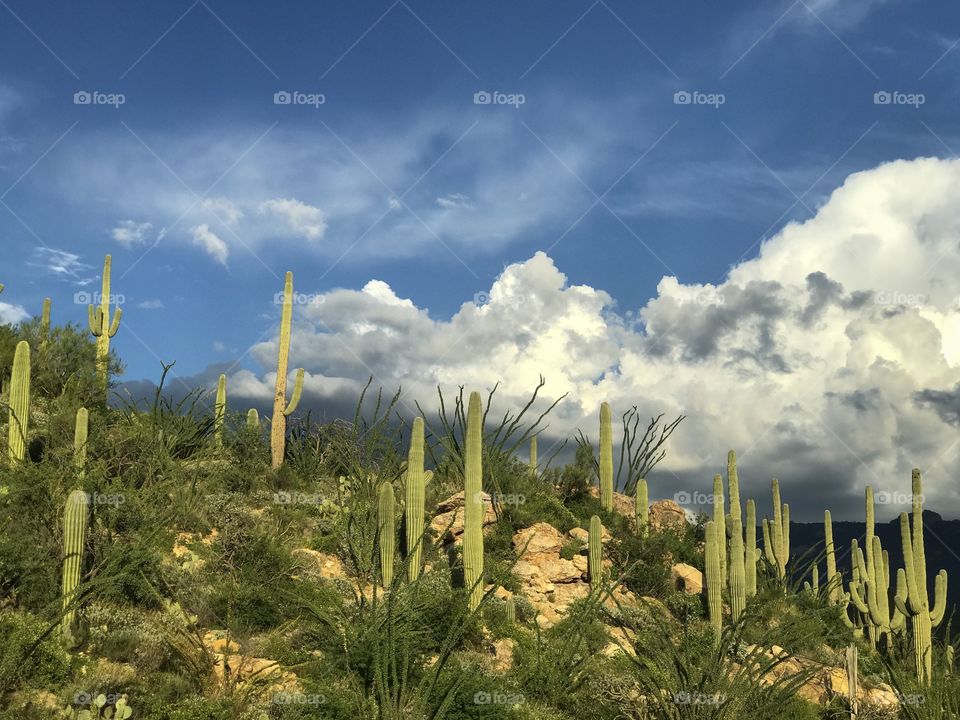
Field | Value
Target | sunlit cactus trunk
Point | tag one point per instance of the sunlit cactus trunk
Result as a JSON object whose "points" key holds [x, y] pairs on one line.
{"points": [[595, 554], [737, 571], [282, 410], [414, 500], [533, 456], [80, 434], [474, 510], [102, 328], [220, 411], [642, 508], [606, 458], [751, 554], [714, 579], [19, 423], [74, 543], [719, 519], [388, 533]]}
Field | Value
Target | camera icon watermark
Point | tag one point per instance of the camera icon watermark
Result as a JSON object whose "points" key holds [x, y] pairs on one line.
{"points": [[896, 97], [482, 298], [295, 97], [693, 499], [95, 298], [695, 97], [95, 97], [482, 97], [483, 697]]}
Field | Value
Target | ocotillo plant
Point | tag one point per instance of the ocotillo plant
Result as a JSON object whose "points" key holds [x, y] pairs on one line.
{"points": [[533, 456], [737, 571], [923, 618], [474, 509], [282, 410], [714, 580], [19, 424], [388, 533], [642, 508], [253, 419], [750, 554], [74, 542], [80, 434], [220, 410], [606, 458], [776, 534], [414, 499], [719, 518], [595, 554], [102, 328]]}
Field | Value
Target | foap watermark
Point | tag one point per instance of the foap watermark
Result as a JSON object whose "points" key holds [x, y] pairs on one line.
{"points": [[913, 699], [896, 297], [482, 97], [296, 97], [704, 298], [297, 498], [695, 97], [299, 298], [505, 498], [95, 97], [291, 698], [896, 97], [698, 698], [85, 698], [112, 499], [95, 298], [483, 697], [886, 497], [693, 499]]}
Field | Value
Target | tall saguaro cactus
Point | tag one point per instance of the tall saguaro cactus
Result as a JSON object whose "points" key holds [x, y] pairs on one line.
{"points": [[737, 571], [102, 328], [923, 618], [776, 534], [719, 519], [714, 579], [388, 533], [220, 411], [282, 410], [474, 510], [833, 586], [750, 553], [80, 433], [19, 424], [595, 554], [45, 320], [642, 508], [74, 542], [606, 458], [733, 485], [414, 499]]}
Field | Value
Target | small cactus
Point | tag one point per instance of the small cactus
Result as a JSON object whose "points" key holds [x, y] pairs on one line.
{"points": [[74, 542], [533, 456], [415, 499], [510, 608], [388, 533], [474, 510], [281, 409], [102, 328], [606, 458], [45, 320], [19, 424], [253, 419], [80, 434], [595, 554], [642, 508], [220, 411]]}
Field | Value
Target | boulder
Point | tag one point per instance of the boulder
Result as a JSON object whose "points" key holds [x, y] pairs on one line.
{"points": [[667, 513], [686, 578], [447, 523], [538, 540]]}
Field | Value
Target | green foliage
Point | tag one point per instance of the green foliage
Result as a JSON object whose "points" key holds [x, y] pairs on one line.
{"points": [[31, 656]]}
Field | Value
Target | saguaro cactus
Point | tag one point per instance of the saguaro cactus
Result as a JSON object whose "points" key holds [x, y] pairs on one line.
{"points": [[853, 678], [714, 579], [642, 508], [776, 534], [253, 419], [45, 319], [101, 326], [510, 608], [282, 410], [474, 510], [595, 554], [874, 601], [80, 433], [719, 518], [737, 571], [733, 485], [606, 458], [833, 588], [19, 424], [923, 618], [388, 533], [415, 497], [74, 541], [220, 410], [750, 554], [533, 456]]}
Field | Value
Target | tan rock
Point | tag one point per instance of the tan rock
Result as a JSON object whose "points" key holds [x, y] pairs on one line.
{"points": [[883, 696], [580, 534], [538, 539], [447, 524], [686, 578], [502, 655], [667, 513], [323, 565]]}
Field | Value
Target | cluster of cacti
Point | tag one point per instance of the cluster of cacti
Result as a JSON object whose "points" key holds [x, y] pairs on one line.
{"points": [[474, 510], [776, 534], [713, 549], [19, 424], [102, 328], [641, 503], [923, 617], [74, 542], [220, 411], [606, 458], [387, 531], [281, 409], [415, 498], [100, 707], [595, 554]]}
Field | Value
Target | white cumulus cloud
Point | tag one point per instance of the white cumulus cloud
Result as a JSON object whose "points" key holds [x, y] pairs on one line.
{"points": [[205, 238], [297, 217]]}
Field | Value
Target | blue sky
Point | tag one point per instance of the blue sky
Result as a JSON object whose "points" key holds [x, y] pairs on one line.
{"points": [[205, 190]]}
